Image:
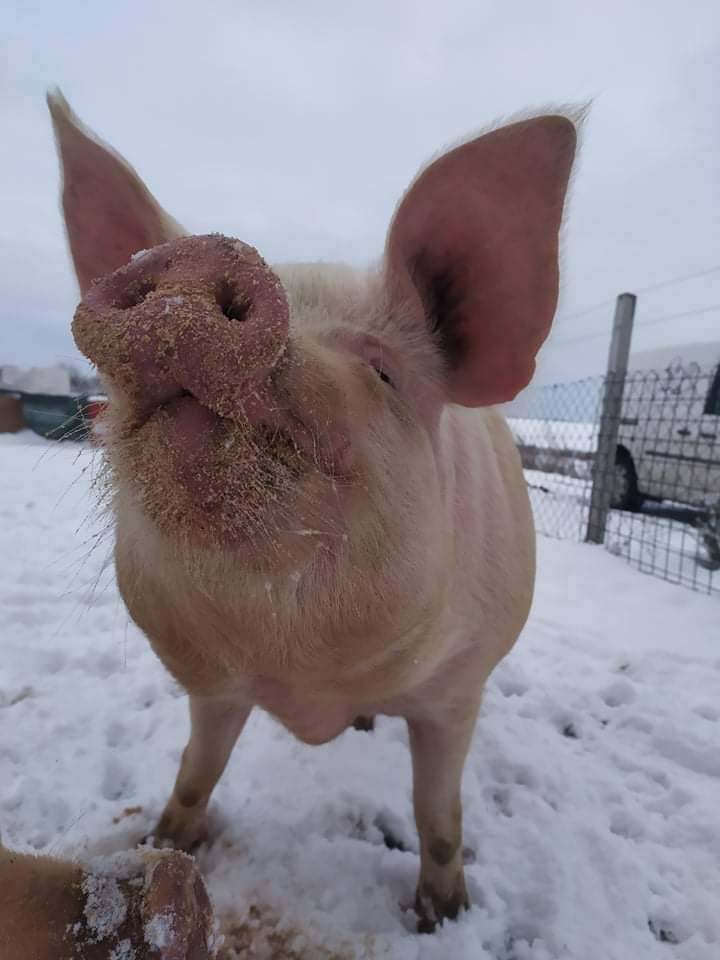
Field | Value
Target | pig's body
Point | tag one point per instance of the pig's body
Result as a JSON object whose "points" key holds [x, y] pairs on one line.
{"points": [[318, 510], [259, 630], [258, 645]]}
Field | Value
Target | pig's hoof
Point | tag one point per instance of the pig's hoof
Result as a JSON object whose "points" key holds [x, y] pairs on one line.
{"points": [[176, 915], [365, 724], [433, 908], [179, 833]]}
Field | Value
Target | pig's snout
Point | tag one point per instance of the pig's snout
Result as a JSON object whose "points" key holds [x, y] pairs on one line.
{"points": [[204, 316], [199, 327]]}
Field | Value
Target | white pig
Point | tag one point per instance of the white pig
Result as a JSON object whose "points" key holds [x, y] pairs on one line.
{"points": [[318, 511]]}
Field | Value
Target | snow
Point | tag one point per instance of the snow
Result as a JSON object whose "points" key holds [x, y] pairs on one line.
{"points": [[554, 434], [123, 951], [105, 906], [159, 930], [591, 793]]}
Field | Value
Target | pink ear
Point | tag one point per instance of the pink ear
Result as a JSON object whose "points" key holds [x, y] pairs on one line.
{"points": [[476, 240], [109, 212]]}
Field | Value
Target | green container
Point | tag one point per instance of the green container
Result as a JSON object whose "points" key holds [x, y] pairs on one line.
{"points": [[55, 417]]}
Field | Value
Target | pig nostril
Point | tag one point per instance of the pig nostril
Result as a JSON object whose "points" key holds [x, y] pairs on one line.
{"points": [[237, 311], [233, 306], [135, 293]]}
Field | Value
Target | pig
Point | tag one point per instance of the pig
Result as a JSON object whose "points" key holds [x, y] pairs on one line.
{"points": [[57, 910], [318, 509]]}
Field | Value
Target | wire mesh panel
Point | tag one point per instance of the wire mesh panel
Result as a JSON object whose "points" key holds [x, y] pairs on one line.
{"points": [[663, 482], [683, 552], [556, 429], [669, 456]]}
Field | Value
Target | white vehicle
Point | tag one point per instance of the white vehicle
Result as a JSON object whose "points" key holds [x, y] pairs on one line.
{"points": [[669, 439]]}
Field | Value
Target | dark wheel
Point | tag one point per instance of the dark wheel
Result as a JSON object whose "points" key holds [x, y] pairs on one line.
{"points": [[708, 555], [626, 495]]}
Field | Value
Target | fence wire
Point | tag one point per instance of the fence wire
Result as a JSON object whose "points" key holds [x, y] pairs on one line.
{"points": [[556, 430], [664, 481]]}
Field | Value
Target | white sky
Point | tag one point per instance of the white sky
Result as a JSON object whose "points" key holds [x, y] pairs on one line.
{"points": [[296, 126]]}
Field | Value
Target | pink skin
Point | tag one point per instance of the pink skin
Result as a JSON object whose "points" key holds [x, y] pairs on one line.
{"points": [[194, 423]]}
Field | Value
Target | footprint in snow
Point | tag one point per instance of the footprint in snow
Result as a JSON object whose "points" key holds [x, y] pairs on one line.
{"points": [[618, 693], [570, 731], [118, 782], [101, 665], [511, 686], [146, 696], [691, 753], [662, 931], [119, 734], [637, 722], [10, 698], [625, 825]]}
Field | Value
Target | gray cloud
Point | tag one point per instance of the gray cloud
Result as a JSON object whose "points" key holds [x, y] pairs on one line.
{"points": [[297, 126]]}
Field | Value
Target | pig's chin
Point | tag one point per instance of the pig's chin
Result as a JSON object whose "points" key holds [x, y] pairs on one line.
{"points": [[205, 480]]}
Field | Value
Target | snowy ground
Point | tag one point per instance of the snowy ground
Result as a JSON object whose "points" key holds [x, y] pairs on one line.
{"points": [[555, 434], [592, 793]]}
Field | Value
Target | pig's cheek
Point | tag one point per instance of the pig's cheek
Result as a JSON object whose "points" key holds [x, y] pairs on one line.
{"points": [[336, 452], [329, 448], [342, 454]]}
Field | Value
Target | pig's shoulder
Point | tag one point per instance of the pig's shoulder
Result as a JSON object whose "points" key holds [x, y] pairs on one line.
{"points": [[479, 442], [483, 427]]}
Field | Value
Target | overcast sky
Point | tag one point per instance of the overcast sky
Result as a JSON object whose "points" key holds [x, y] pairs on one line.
{"points": [[296, 126]]}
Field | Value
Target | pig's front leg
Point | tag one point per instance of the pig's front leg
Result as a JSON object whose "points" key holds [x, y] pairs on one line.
{"points": [[216, 723], [439, 743]]}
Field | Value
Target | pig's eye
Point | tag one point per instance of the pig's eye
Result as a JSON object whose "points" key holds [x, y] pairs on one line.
{"points": [[384, 376]]}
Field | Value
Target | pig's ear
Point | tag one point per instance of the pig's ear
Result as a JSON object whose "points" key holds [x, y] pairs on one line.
{"points": [[474, 243], [109, 212]]}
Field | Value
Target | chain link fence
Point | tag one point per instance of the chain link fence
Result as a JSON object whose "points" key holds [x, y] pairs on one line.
{"points": [[557, 434], [663, 483]]}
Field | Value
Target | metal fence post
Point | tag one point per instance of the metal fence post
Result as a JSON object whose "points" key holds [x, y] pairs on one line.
{"points": [[603, 475]]}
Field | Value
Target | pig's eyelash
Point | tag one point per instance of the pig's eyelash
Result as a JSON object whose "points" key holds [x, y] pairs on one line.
{"points": [[384, 376]]}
